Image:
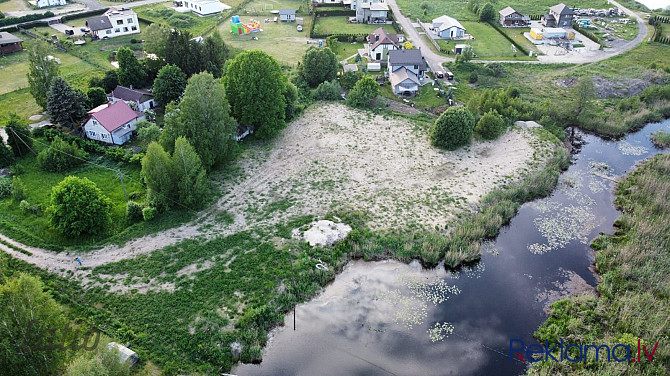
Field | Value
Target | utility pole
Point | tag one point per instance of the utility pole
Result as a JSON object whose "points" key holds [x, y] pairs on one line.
{"points": [[123, 186], [293, 287]]}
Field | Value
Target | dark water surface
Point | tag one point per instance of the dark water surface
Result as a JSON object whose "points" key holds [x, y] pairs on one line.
{"points": [[388, 318]]}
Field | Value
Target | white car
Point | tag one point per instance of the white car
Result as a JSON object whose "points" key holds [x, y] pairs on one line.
{"points": [[299, 27]]}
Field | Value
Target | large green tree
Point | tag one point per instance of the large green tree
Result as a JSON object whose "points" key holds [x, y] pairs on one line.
{"points": [[365, 90], [203, 118], [65, 105], [28, 315], [319, 65], [96, 96], [215, 54], [42, 69], [487, 13], [79, 207], [254, 88], [169, 85], [453, 128], [158, 174], [130, 72], [189, 175], [18, 135]]}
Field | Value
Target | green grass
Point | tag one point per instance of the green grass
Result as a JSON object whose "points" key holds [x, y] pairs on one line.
{"points": [[346, 49], [13, 6], [164, 14], [661, 139], [427, 97], [19, 101], [281, 40], [339, 25], [488, 42], [634, 292]]}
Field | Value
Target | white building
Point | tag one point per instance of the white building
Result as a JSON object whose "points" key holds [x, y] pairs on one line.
{"points": [[380, 42], [370, 11], [406, 71], [112, 123], [199, 7], [49, 3], [113, 23], [446, 27]]}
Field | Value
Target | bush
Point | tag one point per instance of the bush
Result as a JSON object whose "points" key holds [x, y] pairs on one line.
{"points": [[453, 128], [61, 156], [26, 208], [327, 91], [148, 213], [134, 211], [365, 90], [490, 126], [5, 187], [79, 207], [473, 78], [348, 79]]}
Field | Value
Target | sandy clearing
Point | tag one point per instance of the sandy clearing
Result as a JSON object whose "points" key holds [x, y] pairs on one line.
{"points": [[333, 157]]}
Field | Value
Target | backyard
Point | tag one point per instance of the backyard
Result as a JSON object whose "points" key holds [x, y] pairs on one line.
{"points": [[191, 22], [339, 25]]}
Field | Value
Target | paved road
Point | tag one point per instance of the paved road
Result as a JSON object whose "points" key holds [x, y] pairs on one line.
{"points": [[434, 60]]}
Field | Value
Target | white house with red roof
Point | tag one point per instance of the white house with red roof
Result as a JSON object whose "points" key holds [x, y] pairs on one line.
{"points": [[112, 123]]}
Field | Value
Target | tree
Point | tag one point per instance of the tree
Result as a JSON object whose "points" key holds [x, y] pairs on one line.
{"points": [[583, 93], [96, 97], [465, 55], [18, 135], [453, 128], [254, 88], [487, 13], [110, 81], [290, 98], [64, 104], [491, 125], [169, 85], [319, 65], [43, 68], [27, 315], [61, 156], [327, 91], [216, 53], [189, 175], [79, 207], [203, 118], [6, 155], [158, 174], [155, 39], [147, 132], [349, 79], [365, 90], [104, 362], [130, 72], [408, 45]]}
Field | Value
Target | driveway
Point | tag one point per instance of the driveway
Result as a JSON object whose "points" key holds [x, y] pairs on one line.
{"points": [[433, 60]]}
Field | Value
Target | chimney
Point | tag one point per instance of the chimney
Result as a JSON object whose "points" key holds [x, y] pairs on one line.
{"points": [[131, 87], [377, 37]]}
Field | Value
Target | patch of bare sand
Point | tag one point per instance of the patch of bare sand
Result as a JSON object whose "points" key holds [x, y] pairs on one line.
{"points": [[333, 157]]}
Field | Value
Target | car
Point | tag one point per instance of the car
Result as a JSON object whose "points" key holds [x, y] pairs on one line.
{"points": [[450, 76], [439, 74], [84, 30]]}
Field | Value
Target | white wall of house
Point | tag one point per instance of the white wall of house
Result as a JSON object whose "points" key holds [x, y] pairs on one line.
{"points": [[141, 107], [122, 24], [95, 131], [452, 32], [203, 8], [49, 3], [381, 52], [407, 85]]}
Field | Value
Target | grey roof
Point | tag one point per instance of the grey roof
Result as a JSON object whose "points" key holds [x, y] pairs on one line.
{"points": [[350, 68], [406, 57], [562, 9], [507, 11], [131, 95], [287, 12], [7, 38], [99, 23], [402, 75]]}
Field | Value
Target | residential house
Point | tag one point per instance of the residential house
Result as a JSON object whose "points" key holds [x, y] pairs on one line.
{"points": [[370, 11], [559, 16], [9, 43], [327, 1], [142, 98], [446, 27], [511, 18], [287, 15], [49, 3], [406, 71], [112, 123], [380, 42], [113, 23], [199, 7]]}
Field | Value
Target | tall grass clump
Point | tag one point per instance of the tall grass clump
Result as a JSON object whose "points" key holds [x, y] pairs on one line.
{"points": [[661, 139]]}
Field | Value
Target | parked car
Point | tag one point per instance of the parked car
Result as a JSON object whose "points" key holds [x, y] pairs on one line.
{"points": [[84, 30], [69, 32], [439, 74]]}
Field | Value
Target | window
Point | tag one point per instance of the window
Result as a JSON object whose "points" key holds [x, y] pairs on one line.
{"points": [[130, 20], [125, 29], [104, 136], [117, 30], [133, 28], [91, 133], [119, 22], [416, 67], [108, 31]]}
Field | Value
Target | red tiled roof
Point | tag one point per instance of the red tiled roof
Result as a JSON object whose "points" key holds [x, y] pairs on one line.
{"points": [[115, 115]]}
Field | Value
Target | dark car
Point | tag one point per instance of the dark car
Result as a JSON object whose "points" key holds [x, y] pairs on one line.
{"points": [[84, 30]]}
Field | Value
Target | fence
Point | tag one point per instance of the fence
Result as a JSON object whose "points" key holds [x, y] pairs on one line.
{"points": [[429, 35], [502, 32], [37, 36]]}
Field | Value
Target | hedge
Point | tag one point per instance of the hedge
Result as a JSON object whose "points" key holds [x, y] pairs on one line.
{"points": [[77, 16], [519, 47], [586, 33], [118, 154], [336, 13], [26, 18], [340, 37]]}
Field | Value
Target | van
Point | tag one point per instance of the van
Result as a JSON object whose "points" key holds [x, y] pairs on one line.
{"points": [[439, 74]]}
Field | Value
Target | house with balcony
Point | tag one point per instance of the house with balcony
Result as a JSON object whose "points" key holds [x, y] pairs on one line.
{"points": [[114, 23]]}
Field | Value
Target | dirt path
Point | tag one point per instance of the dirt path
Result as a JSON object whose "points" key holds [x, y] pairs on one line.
{"points": [[332, 157]]}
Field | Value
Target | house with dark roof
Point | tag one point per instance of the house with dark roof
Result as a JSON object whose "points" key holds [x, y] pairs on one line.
{"points": [[406, 71], [113, 23], [10, 43], [287, 15], [559, 16], [112, 123], [380, 42], [142, 98], [511, 18]]}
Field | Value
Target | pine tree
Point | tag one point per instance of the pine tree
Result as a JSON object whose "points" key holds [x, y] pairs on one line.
{"points": [[64, 104]]}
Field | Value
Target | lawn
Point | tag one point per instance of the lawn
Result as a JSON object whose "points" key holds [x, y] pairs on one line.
{"points": [[517, 35], [20, 102], [339, 25], [39, 184], [488, 42], [281, 40], [13, 6], [427, 97], [164, 14], [15, 67], [458, 8], [346, 50]]}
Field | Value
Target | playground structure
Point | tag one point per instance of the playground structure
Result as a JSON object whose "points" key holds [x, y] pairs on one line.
{"points": [[238, 28]]}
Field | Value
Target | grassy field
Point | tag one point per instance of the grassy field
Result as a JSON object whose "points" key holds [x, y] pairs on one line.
{"points": [[458, 8], [346, 50], [488, 42], [427, 97], [164, 14], [517, 35], [634, 293], [19, 101], [13, 6], [280, 40], [339, 25]]}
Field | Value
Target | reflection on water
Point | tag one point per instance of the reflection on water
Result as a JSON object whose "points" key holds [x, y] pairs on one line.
{"points": [[388, 318]]}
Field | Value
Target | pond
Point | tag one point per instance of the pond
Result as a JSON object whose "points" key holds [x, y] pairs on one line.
{"points": [[389, 318]]}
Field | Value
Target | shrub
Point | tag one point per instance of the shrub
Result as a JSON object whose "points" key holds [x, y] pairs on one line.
{"points": [[148, 213], [365, 90], [27, 208], [490, 126], [327, 91], [78, 207], [5, 187], [61, 156], [473, 78], [134, 211], [453, 128]]}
